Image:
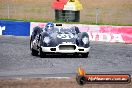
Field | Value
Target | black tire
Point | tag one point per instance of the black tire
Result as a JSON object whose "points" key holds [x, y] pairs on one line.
{"points": [[85, 55], [30, 43], [41, 53], [76, 55], [33, 52]]}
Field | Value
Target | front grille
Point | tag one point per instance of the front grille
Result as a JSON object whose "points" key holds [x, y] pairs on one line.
{"points": [[67, 47]]}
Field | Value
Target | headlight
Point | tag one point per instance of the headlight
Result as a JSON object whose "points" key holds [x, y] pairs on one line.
{"points": [[85, 40], [46, 40]]}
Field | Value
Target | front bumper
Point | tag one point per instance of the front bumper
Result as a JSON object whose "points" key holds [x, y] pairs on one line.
{"points": [[66, 50]]}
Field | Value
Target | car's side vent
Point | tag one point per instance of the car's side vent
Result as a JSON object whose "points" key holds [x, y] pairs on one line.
{"points": [[81, 49], [53, 49]]}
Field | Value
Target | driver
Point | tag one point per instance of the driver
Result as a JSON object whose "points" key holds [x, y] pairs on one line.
{"points": [[49, 26]]}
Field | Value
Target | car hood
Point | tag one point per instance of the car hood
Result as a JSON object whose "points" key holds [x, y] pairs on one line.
{"points": [[61, 38]]}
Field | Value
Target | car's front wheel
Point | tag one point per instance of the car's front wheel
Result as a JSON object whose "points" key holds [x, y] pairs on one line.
{"points": [[41, 53], [85, 55], [33, 52]]}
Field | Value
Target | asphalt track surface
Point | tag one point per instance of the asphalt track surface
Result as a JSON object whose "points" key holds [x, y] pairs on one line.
{"points": [[16, 60]]}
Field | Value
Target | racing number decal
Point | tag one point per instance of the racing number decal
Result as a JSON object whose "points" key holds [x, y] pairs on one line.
{"points": [[65, 36]]}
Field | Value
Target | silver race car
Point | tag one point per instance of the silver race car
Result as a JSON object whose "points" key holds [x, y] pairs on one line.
{"points": [[57, 39]]}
